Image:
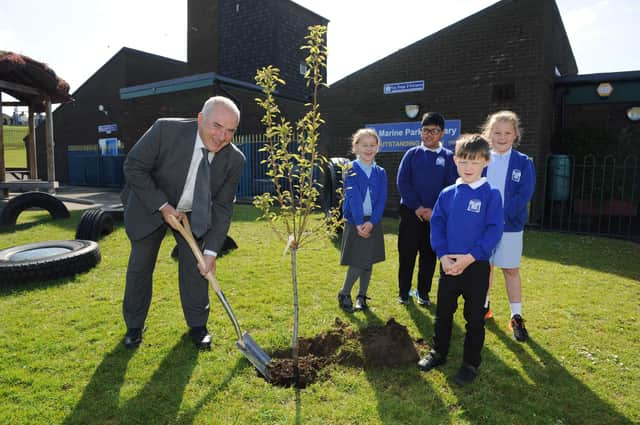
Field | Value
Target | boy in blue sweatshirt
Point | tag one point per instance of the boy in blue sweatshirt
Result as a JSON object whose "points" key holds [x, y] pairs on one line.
{"points": [[424, 171], [466, 225]]}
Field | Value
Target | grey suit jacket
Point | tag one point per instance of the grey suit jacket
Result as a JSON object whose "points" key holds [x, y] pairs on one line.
{"points": [[156, 170]]}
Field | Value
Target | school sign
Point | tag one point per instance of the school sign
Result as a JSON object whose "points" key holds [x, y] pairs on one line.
{"points": [[401, 136]]}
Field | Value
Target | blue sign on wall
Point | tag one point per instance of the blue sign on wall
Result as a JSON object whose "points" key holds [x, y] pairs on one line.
{"points": [[107, 128], [401, 136], [404, 87]]}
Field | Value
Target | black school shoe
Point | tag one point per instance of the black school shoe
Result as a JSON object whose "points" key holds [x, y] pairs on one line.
{"points": [[345, 303], [516, 324], [466, 374], [200, 337], [431, 360], [133, 337], [361, 302], [424, 302]]}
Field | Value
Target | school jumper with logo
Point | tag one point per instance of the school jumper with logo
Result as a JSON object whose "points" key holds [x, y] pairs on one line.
{"points": [[519, 185], [467, 219], [422, 174]]}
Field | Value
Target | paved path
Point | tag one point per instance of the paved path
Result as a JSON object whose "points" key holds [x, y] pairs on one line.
{"points": [[82, 197]]}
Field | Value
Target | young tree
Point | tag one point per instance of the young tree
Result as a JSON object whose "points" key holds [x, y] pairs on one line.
{"points": [[295, 196]]}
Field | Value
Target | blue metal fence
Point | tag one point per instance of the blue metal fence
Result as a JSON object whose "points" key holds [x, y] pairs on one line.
{"points": [[254, 180], [592, 195]]}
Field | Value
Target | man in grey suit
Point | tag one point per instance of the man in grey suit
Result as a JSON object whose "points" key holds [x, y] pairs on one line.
{"points": [[161, 173]]}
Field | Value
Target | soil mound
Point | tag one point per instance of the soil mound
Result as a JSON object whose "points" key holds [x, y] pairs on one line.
{"points": [[380, 345]]}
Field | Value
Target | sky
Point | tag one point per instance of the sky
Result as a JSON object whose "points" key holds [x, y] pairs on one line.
{"points": [[76, 37]]}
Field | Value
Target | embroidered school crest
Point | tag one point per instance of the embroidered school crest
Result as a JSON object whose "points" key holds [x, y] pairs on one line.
{"points": [[515, 175], [474, 205], [440, 162]]}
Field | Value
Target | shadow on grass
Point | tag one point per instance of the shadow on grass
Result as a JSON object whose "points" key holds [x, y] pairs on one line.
{"points": [[590, 252], [543, 392], [421, 316], [99, 402], [18, 288], [189, 416], [547, 389], [157, 402], [401, 393]]}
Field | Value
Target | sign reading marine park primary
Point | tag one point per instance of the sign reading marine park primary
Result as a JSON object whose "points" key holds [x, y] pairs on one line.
{"points": [[400, 136], [403, 87]]}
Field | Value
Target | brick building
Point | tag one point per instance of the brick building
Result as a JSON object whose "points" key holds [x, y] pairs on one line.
{"points": [[506, 56], [226, 42], [76, 123], [598, 113]]}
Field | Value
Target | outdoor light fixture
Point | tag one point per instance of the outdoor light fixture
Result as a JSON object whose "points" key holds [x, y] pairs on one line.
{"points": [[604, 89], [634, 113], [411, 110], [104, 111]]}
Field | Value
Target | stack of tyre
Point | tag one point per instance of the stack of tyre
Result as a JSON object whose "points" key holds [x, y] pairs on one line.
{"points": [[41, 261], [331, 180]]}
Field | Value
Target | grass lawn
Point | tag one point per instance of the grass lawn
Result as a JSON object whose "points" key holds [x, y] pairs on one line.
{"points": [[62, 360], [15, 154]]}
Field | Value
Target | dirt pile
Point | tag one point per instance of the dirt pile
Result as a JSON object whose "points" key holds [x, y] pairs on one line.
{"points": [[387, 345]]}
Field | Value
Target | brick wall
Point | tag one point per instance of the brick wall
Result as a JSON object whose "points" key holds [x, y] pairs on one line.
{"points": [[510, 43], [203, 36], [237, 37], [246, 37]]}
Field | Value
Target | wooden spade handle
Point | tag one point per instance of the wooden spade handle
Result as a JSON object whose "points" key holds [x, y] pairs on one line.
{"points": [[185, 230]]}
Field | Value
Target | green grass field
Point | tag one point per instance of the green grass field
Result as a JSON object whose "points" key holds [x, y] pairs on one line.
{"points": [[15, 154], [62, 361]]}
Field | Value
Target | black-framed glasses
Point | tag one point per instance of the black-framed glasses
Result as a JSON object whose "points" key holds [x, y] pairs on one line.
{"points": [[432, 131]]}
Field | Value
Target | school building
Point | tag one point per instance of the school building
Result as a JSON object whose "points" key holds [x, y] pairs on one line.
{"points": [[227, 42], [514, 54]]}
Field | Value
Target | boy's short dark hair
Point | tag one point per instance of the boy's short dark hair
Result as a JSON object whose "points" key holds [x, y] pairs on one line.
{"points": [[433, 118], [472, 146]]}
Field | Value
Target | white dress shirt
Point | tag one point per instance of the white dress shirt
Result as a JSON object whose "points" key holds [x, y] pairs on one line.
{"points": [[186, 200], [497, 170]]}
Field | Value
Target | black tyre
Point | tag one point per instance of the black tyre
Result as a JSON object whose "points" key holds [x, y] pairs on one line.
{"points": [[326, 187], [228, 246], [116, 211], [94, 224], [42, 200], [49, 260]]}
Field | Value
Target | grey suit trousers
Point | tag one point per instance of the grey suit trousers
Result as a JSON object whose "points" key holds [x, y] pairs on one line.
{"points": [[194, 293]]}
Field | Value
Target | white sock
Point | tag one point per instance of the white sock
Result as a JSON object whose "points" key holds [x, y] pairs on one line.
{"points": [[486, 301], [516, 308]]}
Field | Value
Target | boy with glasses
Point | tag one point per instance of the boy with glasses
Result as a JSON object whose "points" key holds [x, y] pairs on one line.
{"points": [[424, 171]]}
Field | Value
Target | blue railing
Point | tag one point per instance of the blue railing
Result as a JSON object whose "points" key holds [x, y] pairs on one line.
{"points": [[254, 180], [593, 195]]}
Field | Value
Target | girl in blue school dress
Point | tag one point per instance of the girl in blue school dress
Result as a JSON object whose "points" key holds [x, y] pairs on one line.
{"points": [[513, 174], [365, 196]]}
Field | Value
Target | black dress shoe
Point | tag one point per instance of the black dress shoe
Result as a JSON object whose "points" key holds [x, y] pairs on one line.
{"points": [[200, 337], [133, 337]]}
